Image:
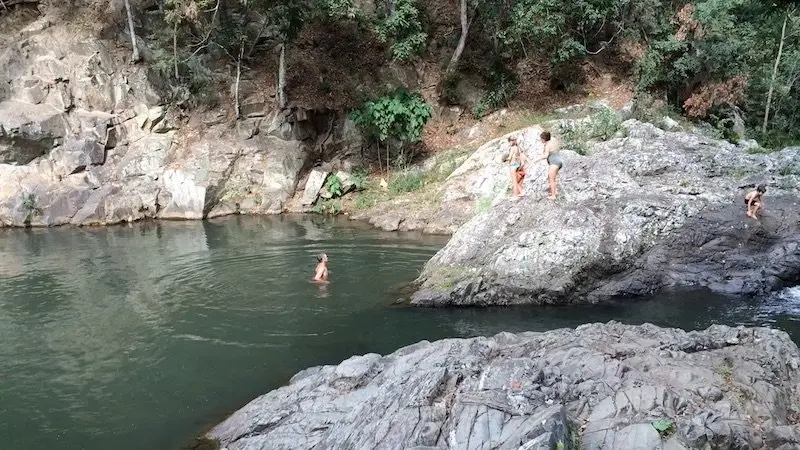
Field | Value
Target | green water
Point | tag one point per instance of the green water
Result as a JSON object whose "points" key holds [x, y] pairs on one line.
{"points": [[143, 336]]}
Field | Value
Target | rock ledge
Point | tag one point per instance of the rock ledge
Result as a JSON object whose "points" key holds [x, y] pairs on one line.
{"points": [[600, 386]]}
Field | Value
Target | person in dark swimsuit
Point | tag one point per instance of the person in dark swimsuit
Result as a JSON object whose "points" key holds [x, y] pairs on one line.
{"points": [[517, 162], [550, 154]]}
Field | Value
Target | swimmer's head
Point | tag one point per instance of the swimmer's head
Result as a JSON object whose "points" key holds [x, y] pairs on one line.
{"points": [[322, 257], [761, 188]]}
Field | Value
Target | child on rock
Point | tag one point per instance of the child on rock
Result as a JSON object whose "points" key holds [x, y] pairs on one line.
{"points": [[755, 200]]}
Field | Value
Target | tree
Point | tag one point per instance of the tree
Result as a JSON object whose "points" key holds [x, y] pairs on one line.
{"points": [[135, 57], [462, 40], [786, 18]]}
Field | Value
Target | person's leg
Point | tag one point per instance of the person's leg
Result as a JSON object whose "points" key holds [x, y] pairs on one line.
{"points": [[513, 176], [551, 178], [520, 180], [756, 207]]}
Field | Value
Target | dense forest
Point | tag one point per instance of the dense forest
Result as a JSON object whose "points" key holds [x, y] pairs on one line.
{"points": [[732, 63]]}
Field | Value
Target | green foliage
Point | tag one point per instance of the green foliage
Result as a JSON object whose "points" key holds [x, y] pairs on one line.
{"points": [[340, 8], [365, 200], [576, 134], [604, 124], [30, 205], [334, 186], [402, 28], [360, 178], [406, 182], [400, 116], [664, 426], [502, 88], [328, 207]]}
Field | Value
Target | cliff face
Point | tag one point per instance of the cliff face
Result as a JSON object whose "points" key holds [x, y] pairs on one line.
{"points": [[87, 138], [600, 386]]}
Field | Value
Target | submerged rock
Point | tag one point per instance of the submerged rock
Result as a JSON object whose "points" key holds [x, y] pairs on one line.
{"points": [[600, 386], [650, 210]]}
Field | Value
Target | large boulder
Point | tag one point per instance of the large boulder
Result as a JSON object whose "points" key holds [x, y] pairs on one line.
{"points": [[648, 210], [600, 386]]}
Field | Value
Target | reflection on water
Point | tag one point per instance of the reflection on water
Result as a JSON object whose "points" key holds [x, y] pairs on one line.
{"points": [[141, 336]]}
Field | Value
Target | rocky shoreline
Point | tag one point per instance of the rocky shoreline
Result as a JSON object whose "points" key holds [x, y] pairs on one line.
{"points": [[599, 386]]}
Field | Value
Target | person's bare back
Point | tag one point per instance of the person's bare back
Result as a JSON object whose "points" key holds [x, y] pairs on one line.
{"points": [[321, 272]]}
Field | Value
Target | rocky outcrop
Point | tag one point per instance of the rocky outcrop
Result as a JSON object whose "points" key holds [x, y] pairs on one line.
{"points": [[472, 181], [640, 213], [86, 139], [600, 386]]}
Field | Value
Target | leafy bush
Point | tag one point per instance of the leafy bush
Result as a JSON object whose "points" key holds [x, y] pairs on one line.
{"points": [[402, 28], [360, 179], [400, 116], [328, 207], [575, 135], [605, 123], [334, 186]]}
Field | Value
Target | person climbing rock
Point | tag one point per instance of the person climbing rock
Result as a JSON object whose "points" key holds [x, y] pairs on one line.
{"points": [[321, 272], [550, 154], [755, 200], [517, 163]]}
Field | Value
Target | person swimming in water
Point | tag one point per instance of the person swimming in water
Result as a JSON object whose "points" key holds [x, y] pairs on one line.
{"points": [[517, 162], [755, 200], [321, 272], [550, 154]]}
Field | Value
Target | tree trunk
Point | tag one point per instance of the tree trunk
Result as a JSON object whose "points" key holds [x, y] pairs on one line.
{"points": [[238, 78], [282, 77], [133, 33], [774, 74], [175, 48], [462, 41]]}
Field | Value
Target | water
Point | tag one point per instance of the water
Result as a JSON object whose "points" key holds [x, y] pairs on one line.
{"points": [[143, 336]]}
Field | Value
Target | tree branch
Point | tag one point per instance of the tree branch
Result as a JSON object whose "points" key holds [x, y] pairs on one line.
{"points": [[604, 45]]}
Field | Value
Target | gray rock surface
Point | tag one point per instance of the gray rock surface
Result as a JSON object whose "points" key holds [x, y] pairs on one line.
{"points": [[86, 139], [650, 210], [598, 387]]}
